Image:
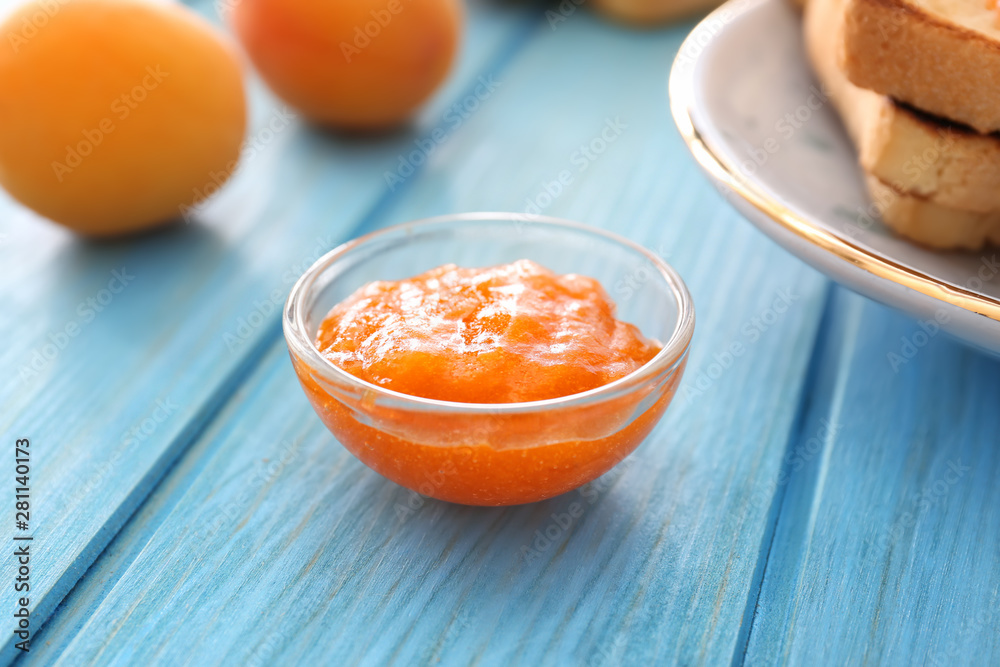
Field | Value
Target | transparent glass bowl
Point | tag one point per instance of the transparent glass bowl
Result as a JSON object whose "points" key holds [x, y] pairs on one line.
{"points": [[503, 453]]}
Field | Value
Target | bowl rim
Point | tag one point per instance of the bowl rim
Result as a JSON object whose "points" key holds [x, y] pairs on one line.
{"points": [[667, 360]]}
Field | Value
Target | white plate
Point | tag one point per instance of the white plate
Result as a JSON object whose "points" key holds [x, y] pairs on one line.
{"points": [[755, 119]]}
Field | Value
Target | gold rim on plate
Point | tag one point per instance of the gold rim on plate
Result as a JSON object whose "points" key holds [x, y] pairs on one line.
{"points": [[681, 90]]}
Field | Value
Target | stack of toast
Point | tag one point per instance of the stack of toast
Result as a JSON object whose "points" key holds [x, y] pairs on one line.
{"points": [[917, 84]]}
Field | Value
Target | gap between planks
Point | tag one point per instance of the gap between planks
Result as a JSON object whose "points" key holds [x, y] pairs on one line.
{"points": [[820, 350]]}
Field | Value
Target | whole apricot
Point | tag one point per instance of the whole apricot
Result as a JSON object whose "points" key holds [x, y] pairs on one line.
{"points": [[358, 64], [116, 114]]}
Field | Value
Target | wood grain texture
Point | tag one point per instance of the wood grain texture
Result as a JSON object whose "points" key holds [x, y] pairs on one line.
{"points": [[801, 503], [887, 549], [270, 544], [116, 355]]}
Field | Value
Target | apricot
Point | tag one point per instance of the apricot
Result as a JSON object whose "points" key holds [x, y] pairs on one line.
{"points": [[116, 114], [360, 64]]}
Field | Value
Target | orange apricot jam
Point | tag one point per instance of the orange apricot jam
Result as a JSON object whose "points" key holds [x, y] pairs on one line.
{"points": [[507, 334]]}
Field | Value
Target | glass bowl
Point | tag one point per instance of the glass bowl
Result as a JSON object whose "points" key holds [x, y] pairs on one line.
{"points": [[500, 453]]}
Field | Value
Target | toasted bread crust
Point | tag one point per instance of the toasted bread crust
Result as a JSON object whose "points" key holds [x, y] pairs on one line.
{"points": [[652, 12], [931, 224], [948, 164], [897, 48], [933, 182]]}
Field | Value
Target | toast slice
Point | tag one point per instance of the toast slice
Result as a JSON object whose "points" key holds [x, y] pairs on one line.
{"points": [[934, 160], [940, 56], [931, 224], [652, 12], [947, 164], [931, 182]]}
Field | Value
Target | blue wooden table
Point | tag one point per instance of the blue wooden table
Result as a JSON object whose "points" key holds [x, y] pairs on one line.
{"points": [[804, 501]]}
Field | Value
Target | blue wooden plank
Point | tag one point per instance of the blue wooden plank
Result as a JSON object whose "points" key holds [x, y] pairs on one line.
{"points": [[278, 546], [116, 355], [887, 549]]}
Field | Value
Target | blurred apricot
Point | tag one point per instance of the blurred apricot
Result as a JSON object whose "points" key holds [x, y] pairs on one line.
{"points": [[115, 114], [356, 64]]}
